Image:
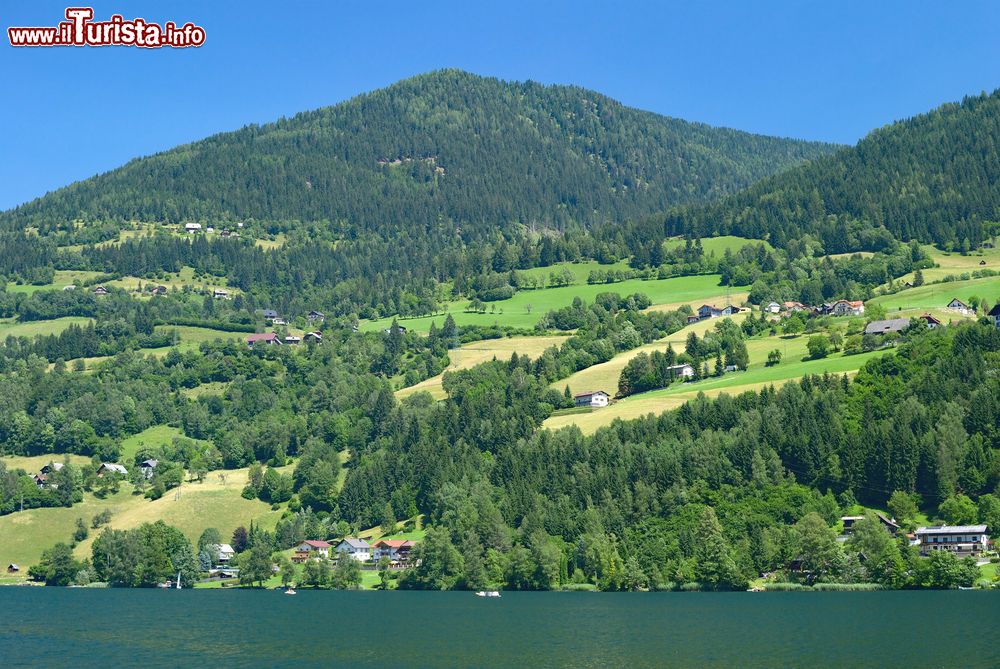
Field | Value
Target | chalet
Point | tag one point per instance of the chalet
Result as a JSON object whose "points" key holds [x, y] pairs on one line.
{"points": [[932, 322], [192, 227], [982, 262], [316, 317], [886, 327], [731, 368], [220, 294], [315, 337], [848, 308], [712, 311], [51, 467], [962, 540], [226, 553], [100, 290], [70, 286], [148, 467], [111, 468], [402, 329], [684, 371], [311, 548], [160, 290], [266, 338], [888, 523], [594, 398], [396, 550], [225, 232], [41, 480], [13, 568], [693, 318], [994, 315], [270, 314], [794, 306], [359, 549], [961, 307], [772, 308], [293, 340]]}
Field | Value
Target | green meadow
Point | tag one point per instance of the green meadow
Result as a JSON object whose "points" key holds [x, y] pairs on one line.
{"points": [[937, 295], [717, 245], [11, 328], [527, 307]]}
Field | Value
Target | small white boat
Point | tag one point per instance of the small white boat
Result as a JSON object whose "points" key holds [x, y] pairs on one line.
{"points": [[487, 593], [291, 591]]}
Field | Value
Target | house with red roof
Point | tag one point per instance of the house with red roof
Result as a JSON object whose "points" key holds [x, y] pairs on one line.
{"points": [[397, 550], [266, 338], [311, 549]]}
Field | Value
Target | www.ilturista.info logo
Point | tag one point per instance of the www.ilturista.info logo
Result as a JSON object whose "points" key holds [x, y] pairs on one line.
{"points": [[80, 30]]}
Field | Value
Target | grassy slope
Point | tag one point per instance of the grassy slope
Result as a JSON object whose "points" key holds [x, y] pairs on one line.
{"points": [[717, 245], [199, 505], [32, 463], [516, 314], [937, 295], [478, 352], [791, 368], [153, 437], [11, 328], [62, 278], [605, 375]]}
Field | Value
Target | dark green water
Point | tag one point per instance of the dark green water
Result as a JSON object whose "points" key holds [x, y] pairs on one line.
{"points": [[50, 627]]}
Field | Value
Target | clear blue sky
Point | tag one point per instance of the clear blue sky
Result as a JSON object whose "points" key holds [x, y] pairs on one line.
{"points": [[819, 70]]}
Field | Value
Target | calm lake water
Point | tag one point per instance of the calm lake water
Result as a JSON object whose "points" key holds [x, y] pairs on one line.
{"points": [[51, 627]]}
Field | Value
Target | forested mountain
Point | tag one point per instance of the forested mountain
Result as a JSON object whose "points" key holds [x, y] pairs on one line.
{"points": [[448, 152], [934, 177]]}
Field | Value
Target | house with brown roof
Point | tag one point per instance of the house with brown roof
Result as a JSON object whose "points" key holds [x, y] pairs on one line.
{"points": [[961, 307], [311, 549], [593, 398], [264, 338], [848, 308], [396, 550]]}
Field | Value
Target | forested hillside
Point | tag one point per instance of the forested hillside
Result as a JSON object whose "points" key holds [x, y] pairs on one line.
{"points": [[447, 152], [934, 177]]}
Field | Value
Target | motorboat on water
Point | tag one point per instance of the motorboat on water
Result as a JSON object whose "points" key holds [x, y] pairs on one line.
{"points": [[487, 593]]}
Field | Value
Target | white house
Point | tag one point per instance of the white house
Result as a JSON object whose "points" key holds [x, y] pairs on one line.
{"points": [[593, 398], [220, 294], [293, 340], [961, 307], [848, 308], [772, 308], [712, 311], [359, 549], [148, 467], [192, 227], [684, 370], [108, 467], [396, 550], [962, 540], [226, 553], [311, 548]]}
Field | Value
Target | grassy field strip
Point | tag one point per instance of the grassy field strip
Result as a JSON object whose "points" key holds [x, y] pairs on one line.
{"points": [[152, 437], [12, 328], [177, 280], [737, 298], [579, 270], [937, 295], [716, 245], [479, 352], [956, 263], [527, 307], [32, 463], [757, 375], [604, 376], [61, 279]]}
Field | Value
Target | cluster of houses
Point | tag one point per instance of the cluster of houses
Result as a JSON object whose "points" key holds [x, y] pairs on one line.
{"points": [[196, 228], [273, 339], [962, 540], [397, 551], [146, 467], [838, 308]]}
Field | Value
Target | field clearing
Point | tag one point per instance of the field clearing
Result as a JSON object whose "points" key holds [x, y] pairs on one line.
{"points": [[478, 352], [198, 506], [580, 270], [722, 299], [175, 280], [210, 388], [12, 328], [757, 376], [152, 437], [937, 295], [527, 307], [717, 245], [60, 280], [276, 243], [956, 263], [604, 376], [32, 463]]}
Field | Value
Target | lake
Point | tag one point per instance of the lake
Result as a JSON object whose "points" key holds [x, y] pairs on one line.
{"points": [[79, 628]]}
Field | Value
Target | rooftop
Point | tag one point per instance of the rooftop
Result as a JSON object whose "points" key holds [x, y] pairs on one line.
{"points": [[952, 529]]}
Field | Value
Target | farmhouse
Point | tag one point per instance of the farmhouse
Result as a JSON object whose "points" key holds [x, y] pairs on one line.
{"points": [[266, 338], [148, 467], [931, 321], [994, 315], [396, 550], [311, 548], [888, 523], [51, 467], [772, 308], [885, 327], [13, 568], [961, 307], [100, 290], [594, 398], [316, 317], [220, 294], [693, 318], [293, 340], [712, 311], [270, 314], [111, 468], [41, 480], [313, 337], [848, 308], [402, 329], [192, 227], [684, 370], [794, 306], [160, 290], [359, 549], [226, 553], [962, 540]]}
